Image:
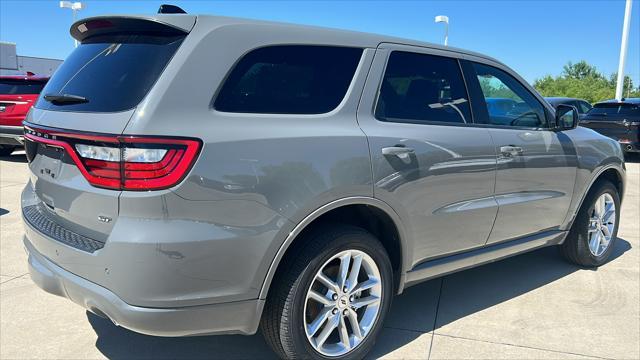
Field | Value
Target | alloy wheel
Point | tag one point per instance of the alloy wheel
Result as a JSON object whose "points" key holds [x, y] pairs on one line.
{"points": [[342, 303], [602, 221]]}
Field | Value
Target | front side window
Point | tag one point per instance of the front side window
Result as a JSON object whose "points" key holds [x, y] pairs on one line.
{"points": [[508, 102], [289, 79], [420, 88], [583, 107]]}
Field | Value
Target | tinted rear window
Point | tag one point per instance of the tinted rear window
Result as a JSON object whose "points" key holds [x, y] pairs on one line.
{"points": [[291, 79], [112, 72], [419, 88], [615, 109], [20, 87]]}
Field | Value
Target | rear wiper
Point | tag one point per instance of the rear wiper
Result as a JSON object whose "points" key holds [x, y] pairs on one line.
{"points": [[65, 99]]}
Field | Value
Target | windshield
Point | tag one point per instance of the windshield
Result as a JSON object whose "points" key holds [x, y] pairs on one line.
{"points": [[608, 109], [113, 73], [20, 87]]}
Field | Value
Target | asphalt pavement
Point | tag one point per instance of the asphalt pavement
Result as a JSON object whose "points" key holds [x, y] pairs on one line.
{"points": [[533, 306]]}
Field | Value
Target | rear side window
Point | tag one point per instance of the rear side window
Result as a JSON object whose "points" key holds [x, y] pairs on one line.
{"points": [[113, 72], [20, 87], [420, 88], [605, 109], [290, 79]]}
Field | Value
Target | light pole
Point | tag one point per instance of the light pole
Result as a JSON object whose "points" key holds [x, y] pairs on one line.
{"points": [[75, 7], [623, 49], [444, 19]]}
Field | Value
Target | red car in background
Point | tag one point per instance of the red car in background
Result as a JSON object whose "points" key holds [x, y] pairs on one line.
{"points": [[17, 94]]}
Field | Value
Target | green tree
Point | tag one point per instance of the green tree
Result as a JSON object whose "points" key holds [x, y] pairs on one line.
{"points": [[494, 88], [580, 70], [583, 81]]}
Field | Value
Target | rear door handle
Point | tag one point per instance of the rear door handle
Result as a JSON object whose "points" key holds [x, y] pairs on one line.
{"points": [[397, 151], [511, 150]]}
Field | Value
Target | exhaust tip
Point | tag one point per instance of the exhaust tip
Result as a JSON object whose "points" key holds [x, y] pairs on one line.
{"points": [[101, 314], [629, 147]]}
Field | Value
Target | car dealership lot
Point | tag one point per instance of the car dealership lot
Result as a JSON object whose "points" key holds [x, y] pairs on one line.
{"points": [[530, 306]]}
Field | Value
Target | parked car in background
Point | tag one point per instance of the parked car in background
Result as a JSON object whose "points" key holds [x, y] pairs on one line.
{"points": [[296, 181], [583, 106], [17, 94], [617, 119]]}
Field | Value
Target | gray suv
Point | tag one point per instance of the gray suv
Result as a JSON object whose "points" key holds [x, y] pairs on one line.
{"points": [[196, 175]]}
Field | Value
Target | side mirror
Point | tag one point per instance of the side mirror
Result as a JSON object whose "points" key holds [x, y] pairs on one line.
{"points": [[566, 117]]}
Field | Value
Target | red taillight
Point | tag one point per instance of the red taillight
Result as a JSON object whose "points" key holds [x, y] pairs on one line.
{"points": [[124, 162]]}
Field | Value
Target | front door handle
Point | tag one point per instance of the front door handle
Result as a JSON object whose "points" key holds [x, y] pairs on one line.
{"points": [[399, 151], [511, 150]]}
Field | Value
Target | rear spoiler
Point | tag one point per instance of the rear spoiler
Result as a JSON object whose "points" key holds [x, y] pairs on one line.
{"points": [[162, 25]]}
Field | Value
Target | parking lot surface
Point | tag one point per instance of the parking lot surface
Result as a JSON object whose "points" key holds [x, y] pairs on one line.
{"points": [[533, 306]]}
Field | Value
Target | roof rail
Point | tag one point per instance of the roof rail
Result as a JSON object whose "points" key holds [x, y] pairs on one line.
{"points": [[170, 9]]}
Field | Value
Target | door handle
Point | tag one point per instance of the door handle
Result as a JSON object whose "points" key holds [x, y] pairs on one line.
{"points": [[511, 150], [397, 151]]}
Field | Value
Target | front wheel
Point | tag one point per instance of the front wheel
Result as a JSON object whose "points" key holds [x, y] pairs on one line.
{"points": [[593, 234], [331, 296]]}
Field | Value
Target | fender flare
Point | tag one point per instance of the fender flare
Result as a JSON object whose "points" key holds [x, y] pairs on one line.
{"points": [[621, 172], [309, 219]]}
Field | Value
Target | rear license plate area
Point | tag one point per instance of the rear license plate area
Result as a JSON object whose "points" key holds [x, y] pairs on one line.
{"points": [[49, 160]]}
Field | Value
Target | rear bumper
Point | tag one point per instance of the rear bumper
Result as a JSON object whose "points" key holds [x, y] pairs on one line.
{"points": [[241, 317], [11, 135], [630, 146]]}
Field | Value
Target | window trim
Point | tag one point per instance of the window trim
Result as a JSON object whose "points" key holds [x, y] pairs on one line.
{"points": [[472, 77], [414, 121], [233, 66]]}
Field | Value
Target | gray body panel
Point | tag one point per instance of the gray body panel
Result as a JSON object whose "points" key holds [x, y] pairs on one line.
{"points": [[533, 190], [448, 179], [219, 236]]}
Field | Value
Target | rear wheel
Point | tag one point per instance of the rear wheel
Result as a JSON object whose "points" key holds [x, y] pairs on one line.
{"points": [[330, 299], [6, 150], [593, 234]]}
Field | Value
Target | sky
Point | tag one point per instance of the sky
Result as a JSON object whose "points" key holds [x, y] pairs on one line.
{"points": [[535, 38]]}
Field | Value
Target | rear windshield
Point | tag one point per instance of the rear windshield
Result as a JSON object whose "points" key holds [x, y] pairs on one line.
{"points": [[615, 109], [112, 72], [20, 87], [289, 79]]}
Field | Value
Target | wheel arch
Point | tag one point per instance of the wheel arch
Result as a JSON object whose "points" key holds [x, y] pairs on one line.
{"points": [[612, 173], [384, 215]]}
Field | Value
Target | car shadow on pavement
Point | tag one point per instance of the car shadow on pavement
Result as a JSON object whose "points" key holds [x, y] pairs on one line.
{"points": [[18, 157], [413, 313], [632, 158]]}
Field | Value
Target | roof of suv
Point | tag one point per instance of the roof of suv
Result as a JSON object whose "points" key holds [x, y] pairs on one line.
{"points": [[333, 36], [635, 101], [558, 99]]}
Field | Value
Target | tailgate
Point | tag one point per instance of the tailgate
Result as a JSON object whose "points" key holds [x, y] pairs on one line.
{"points": [[73, 134], [13, 108], [617, 120]]}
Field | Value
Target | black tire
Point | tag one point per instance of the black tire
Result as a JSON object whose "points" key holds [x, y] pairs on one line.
{"points": [[576, 246], [6, 150], [282, 323]]}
